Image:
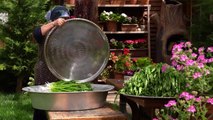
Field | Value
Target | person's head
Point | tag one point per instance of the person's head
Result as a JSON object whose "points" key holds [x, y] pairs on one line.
{"points": [[57, 12]]}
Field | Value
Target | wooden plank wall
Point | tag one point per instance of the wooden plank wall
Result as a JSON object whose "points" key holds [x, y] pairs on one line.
{"points": [[155, 8]]}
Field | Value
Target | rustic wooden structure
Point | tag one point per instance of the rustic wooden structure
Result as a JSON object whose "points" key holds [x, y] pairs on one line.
{"points": [[155, 8], [87, 9], [171, 28]]}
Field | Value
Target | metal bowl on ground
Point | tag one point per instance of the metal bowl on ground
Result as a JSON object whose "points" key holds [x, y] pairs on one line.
{"points": [[78, 50], [43, 99]]}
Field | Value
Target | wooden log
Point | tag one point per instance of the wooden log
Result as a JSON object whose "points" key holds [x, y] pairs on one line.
{"points": [[86, 9], [170, 23]]}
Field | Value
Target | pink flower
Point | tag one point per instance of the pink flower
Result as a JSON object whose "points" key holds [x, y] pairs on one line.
{"points": [[129, 41], [188, 44], [201, 58], [179, 67], [186, 95], [189, 62], [177, 48], [207, 72], [154, 119], [183, 94], [210, 49], [210, 100], [198, 99], [183, 58], [194, 55], [197, 75], [191, 109], [200, 65], [210, 60], [171, 103], [164, 67], [174, 63], [201, 50]]}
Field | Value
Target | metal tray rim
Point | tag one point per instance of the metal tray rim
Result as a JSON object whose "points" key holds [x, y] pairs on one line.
{"points": [[27, 89]]}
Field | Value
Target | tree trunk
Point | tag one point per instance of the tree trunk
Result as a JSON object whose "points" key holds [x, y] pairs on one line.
{"points": [[171, 28], [19, 83], [86, 9]]}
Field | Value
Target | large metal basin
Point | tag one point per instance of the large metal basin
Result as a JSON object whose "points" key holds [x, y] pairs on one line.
{"points": [[78, 50], [43, 99]]}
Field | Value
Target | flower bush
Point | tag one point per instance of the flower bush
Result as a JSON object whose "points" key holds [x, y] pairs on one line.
{"points": [[196, 65], [127, 19], [187, 106], [130, 44], [121, 62], [122, 18], [190, 72], [109, 16]]}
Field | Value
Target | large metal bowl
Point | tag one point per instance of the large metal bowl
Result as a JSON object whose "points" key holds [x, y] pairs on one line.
{"points": [[78, 50], [43, 99]]}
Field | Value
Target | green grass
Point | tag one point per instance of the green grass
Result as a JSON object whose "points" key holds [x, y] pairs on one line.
{"points": [[15, 107]]}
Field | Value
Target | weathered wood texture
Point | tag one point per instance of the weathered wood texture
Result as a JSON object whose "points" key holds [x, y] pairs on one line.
{"points": [[86, 9], [170, 22], [155, 8], [104, 113]]}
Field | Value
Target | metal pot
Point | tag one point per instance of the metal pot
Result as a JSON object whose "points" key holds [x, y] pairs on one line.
{"points": [[43, 99]]}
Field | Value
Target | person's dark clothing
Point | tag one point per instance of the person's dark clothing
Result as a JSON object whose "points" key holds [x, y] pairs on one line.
{"points": [[42, 73]]}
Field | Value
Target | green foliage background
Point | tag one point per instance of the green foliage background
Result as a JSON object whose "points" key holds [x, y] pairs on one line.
{"points": [[202, 28], [18, 54], [15, 107]]}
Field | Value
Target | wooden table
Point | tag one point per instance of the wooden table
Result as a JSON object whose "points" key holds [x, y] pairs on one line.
{"points": [[104, 113], [142, 108]]}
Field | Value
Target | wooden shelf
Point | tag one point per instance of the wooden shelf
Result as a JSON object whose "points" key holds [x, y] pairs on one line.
{"points": [[137, 49], [109, 5], [125, 32], [139, 9], [125, 5], [135, 53]]}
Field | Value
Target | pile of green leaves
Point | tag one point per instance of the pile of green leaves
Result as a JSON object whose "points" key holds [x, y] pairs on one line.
{"points": [[154, 81], [69, 86]]}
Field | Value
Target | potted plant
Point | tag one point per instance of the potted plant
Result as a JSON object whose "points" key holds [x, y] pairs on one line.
{"points": [[135, 43], [116, 44], [110, 19], [196, 64], [186, 106], [128, 23], [191, 71], [121, 62]]}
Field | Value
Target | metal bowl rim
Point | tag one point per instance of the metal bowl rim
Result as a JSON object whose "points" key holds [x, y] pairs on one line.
{"points": [[110, 88]]}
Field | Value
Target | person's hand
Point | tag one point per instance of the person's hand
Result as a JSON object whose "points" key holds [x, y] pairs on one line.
{"points": [[59, 22]]}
